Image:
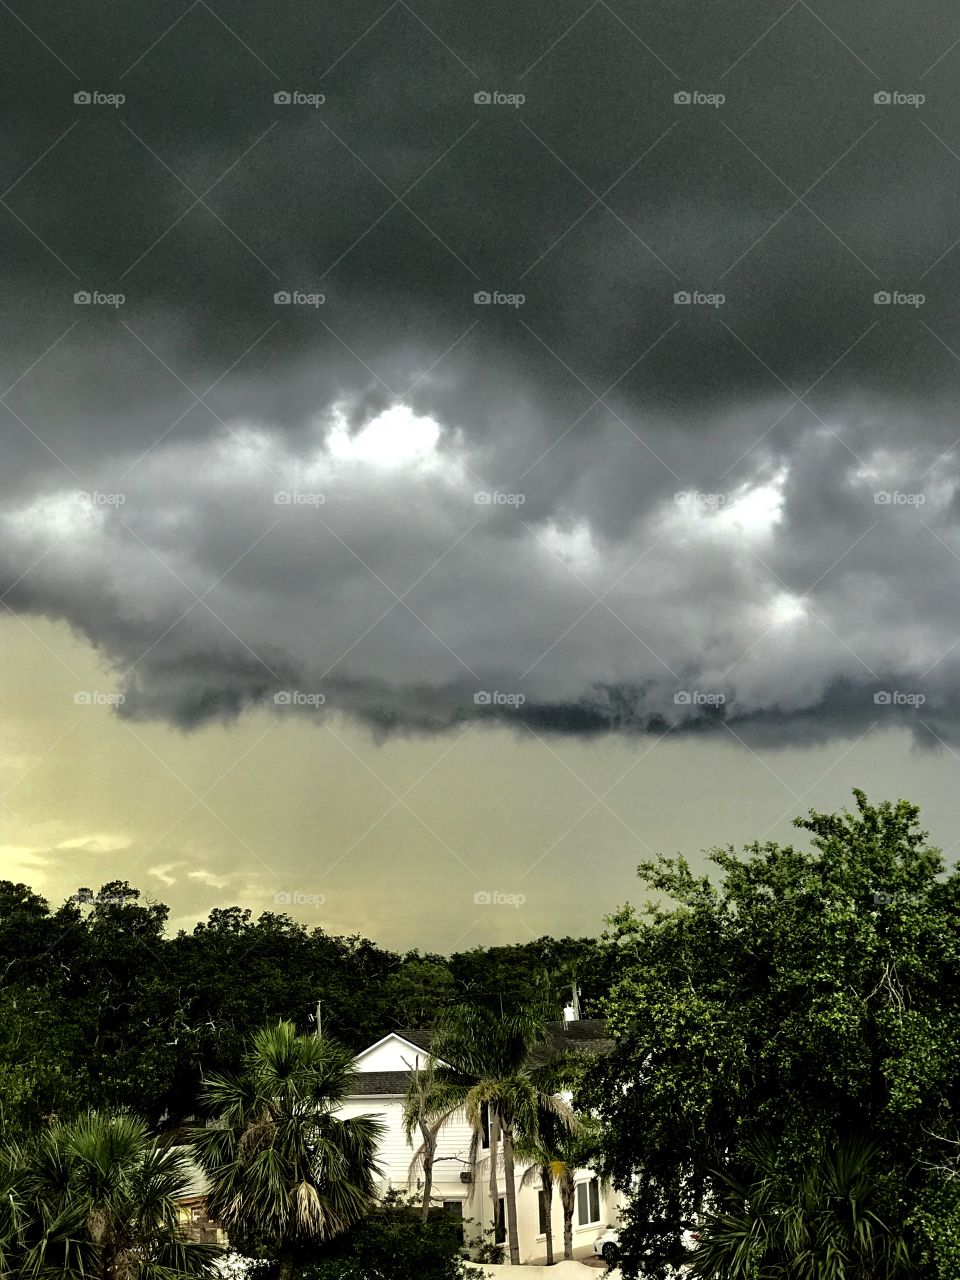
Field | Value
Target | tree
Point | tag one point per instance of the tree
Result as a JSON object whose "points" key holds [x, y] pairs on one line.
{"points": [[284, 1169], [827, 1219], [807, 993], [428, 1105], [489, 1065], [417, 991], [98, 1199], [555, 1153]]}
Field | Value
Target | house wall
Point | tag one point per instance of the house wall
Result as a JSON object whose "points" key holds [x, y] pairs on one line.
{"points": [[390, 1054]]}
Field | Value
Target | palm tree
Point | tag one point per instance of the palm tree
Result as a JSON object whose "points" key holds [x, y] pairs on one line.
{"points": [[541, 1164], [282, 1166], [426, 1107], [98, 1198], [825, 1220], [490, 1073], [557, 1152]]}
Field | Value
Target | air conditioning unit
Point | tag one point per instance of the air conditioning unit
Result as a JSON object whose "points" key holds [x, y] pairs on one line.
{"points": [[466, 1175]]}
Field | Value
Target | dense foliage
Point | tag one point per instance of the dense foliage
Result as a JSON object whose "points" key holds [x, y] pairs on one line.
{"points": [[808, 998], [99, 1007], [394, 1242], [96, 1199]]}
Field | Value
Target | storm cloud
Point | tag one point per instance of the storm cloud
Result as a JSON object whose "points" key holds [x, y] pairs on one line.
{"points": [[590, 366]]}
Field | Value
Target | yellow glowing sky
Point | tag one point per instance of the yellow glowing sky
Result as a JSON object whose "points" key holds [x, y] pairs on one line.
{"points": [[273, 804]]}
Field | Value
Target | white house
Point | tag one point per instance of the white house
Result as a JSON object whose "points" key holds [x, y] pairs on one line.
{"points": [[383, 1075]]}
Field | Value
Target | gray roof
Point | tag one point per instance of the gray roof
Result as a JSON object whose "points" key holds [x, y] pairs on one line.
{"points": [[372, 1083], [420, 1037]]}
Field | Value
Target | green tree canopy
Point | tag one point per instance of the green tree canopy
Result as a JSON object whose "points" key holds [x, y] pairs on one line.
{"points": [[809, 994]]}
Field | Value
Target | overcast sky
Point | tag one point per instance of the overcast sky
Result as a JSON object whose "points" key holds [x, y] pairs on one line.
{"points": [[454, 450]]}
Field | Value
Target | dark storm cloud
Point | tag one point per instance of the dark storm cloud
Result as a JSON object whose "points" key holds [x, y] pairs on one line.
{"points": [[779, 594]]}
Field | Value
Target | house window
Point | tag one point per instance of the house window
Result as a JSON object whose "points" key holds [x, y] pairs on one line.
{"points": [[588, 1202], [455, 1207], [500, 1230], [485, 1126], [542, 1205]]}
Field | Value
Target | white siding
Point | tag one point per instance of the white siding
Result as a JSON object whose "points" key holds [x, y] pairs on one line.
{"points": [[392, 1053]]}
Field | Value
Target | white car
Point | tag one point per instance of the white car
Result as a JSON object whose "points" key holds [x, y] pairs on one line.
{"points": [[607, 1244]]}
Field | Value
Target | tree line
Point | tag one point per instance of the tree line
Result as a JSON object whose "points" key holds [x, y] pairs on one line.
{"points": [[100, 1007]]}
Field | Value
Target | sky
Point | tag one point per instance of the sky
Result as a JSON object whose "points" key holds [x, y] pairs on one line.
{"points": [[451, 453]]}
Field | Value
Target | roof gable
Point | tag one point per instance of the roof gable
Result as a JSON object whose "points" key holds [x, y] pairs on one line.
{"points": [[396, 1051]]}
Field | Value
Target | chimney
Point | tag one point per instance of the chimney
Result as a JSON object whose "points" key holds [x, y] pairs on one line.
{"points": [[571, 1012]]}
